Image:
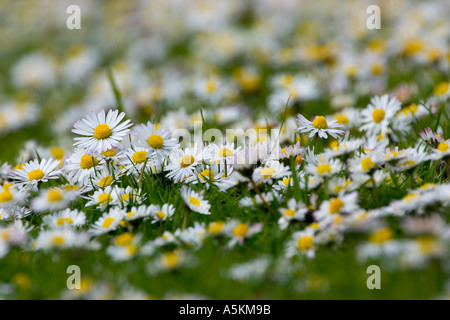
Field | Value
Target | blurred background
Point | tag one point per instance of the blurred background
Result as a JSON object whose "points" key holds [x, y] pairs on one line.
{"points": [[172, 55]]}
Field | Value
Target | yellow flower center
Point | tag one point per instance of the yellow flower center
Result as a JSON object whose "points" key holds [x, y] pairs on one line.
{"points": [[35, 174], [70, 187], [225, 152], [139, 156], [170, 260], [131, 249], [289, 212], [160, 214], [5, 196], [323, 169], [57, 152], [62, 221], [54, 196], [207, 174], [210, 86], [109, 153], [320, 122], [155, 141], [298, 159], [102, 131], [216, 227], [240, 230], [104, 198], [367, 164], [125, 197], [194, 201], [410, 109], [378, 115], [410, 197], [381, 235], [286, 181], [131, 214], [442, 88], [58, 240], [124, 239], [107, 222], [105, 181], [443, 146], [87, 161], [267, 172], [342, 118], [186, 160], [305, 243], [336, 205]]}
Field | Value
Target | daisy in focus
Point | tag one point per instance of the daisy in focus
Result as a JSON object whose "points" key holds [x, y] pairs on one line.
{"points": [[34, 172], [319, 126], [194, 201], [101, 131]]}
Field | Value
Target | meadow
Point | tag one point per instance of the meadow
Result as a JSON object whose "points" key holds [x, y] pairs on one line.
{"points": [[330, 151]]}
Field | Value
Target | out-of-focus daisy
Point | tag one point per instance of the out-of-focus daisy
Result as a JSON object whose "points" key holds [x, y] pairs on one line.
{"points": [[108, 221], [125, 247], [271, 170], [102, 198], [138, 212], [101, 132], [302, 243], [65, 218], [324, 167], [50, 199], [158, 139], [239, 231], [60, 239], [430, 137], [319, 126], [182, 163], [10, 196], [342, 204], [194, 201], [294, 211], [34, 172], [162, 213], [81, 166], [379, 114]]}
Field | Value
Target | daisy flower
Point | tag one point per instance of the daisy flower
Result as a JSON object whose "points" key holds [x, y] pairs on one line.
{"points": [[157, 139], [442, 150], [239, 231], [101, 132], [125, 247], [319, 126], [50, 199], [220, 153], [81, 166], [108, 221], [379, 114], [324, 167], [342, 204], [162, 213], [128, 196], [294, 211], [138, 212], [61, 239], [183, 162], [65, 218], [133, 160], [194, 201], [10, 196], [34, 172], [431, 138], [271, 170], [302, 243], [102, 198]]}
